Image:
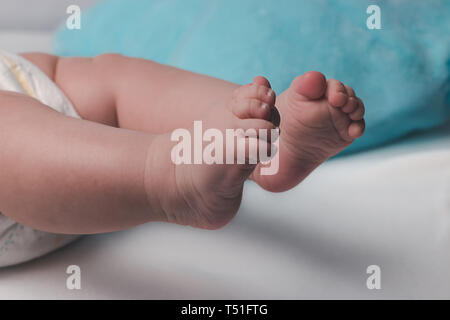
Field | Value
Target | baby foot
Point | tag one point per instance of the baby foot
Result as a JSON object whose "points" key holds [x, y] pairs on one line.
{"points": [[209, 195], [319, 118]]}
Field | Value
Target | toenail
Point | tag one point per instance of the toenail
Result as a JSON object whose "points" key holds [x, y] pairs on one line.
{"points": [[352, 100], [264, 106], [270, 93]]}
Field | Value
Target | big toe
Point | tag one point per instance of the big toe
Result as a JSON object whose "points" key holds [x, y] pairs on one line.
{"points": [[310, 86]]}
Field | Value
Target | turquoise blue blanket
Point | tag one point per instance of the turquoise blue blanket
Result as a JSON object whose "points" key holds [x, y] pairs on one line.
{"points": [[401, 71]]}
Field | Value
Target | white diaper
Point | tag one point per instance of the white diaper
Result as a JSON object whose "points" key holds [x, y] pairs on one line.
{"points": [[19, 243]]}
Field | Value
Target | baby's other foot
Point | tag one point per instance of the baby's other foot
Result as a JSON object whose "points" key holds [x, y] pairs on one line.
{"points": [[319, 118], [209, 195]]}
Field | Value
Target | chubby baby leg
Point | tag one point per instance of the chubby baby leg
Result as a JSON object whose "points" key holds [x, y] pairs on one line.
{"points": [[65, 175]]}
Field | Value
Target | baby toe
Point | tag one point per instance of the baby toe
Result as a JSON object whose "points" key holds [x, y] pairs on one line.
{"points": [[255, 91], [359, 111], [310, 86], [252, 108], [254, 101], [261, 81], [261, 92], [351, 105], [356, 129], [350, 91], [336, 93]]}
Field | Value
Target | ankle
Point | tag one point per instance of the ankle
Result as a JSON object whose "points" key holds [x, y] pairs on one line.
{"points": [[157, 183]]}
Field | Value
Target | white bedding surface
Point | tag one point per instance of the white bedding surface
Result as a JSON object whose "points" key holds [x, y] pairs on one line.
{"points": [[389, 207]]}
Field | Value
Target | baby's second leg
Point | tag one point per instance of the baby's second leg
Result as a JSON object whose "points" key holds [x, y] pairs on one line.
{"points": [[135, 93]]}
